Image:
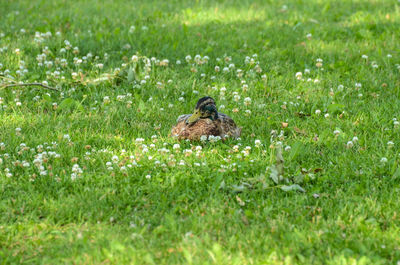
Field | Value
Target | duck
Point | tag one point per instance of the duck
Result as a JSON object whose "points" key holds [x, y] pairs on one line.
{"points": [[205, 121]]}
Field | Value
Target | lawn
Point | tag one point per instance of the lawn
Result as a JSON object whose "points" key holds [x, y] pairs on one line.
{"points": [[89, 174]]}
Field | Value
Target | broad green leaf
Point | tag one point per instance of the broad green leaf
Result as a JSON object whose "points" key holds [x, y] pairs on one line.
{"points": [[294, 187], [295, 151], [274, 174], [47, 98], [70, 104], [279, 161], [67, 103], [335, 108], [396, 173], [131, 75]]}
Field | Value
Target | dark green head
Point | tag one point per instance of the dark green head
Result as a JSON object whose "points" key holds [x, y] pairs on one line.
{"points": [[205, 108]]}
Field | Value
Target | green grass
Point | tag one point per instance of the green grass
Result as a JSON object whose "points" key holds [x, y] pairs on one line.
{"points": [[214, 206]]}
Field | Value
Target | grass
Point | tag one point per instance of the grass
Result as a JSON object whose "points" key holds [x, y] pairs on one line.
{"points": [[89, 175]]}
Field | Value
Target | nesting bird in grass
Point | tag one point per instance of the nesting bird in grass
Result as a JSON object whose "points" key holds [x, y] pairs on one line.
{"points": [[206, 121]]}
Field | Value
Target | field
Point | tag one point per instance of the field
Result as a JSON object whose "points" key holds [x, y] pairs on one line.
{"points": [[89, 174]]}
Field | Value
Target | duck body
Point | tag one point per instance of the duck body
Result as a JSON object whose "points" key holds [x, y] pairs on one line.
{"points": [[216, 124]]}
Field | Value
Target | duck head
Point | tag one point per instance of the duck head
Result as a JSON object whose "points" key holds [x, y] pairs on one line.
{"points": [[205, 109]]}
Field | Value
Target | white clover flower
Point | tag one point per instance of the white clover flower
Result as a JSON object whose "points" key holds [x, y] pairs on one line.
{"points": [[199, 148], [245, 153], [211, 138], [139, 140], [355, 139], [176, 146], [390, 144], [148, 176], [135, 58], [358, 85], [389, 56], [247, 101], [187, 152], [384, 160], [115, 159], [120, 97], [106, 100], [364, 56], [164, 62], [178, 62], [326, 115], [288, 148], [76, 169], [299, 75], [350, 144], [336, 132], [132, 29], [317, 112], [257, 143], [203, 138]]}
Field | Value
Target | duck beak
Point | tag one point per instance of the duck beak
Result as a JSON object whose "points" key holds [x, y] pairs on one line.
{"points": [[195, 116]]}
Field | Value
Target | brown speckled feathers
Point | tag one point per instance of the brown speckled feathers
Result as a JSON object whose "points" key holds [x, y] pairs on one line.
{"points": [[223, 126]]}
